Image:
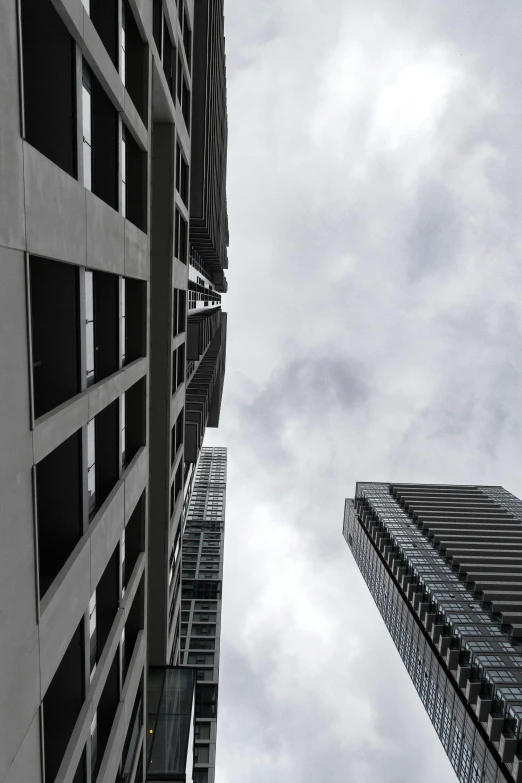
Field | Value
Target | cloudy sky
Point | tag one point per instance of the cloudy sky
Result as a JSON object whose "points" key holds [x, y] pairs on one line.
{"points": [[375, 206]]}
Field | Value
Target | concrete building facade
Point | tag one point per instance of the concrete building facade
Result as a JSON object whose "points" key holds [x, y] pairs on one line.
{"points": [[444, 566], [95, 157]]}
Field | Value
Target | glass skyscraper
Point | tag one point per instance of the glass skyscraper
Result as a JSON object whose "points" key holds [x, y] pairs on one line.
{"points": [[444, 566]]}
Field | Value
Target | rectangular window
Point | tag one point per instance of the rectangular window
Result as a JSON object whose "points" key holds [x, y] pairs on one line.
{"points": [[134, 175], [123, 171], [87, 126], [91, 467], [168, 57], [122, 563], [93, 644], [187, 38], [181, 364], [179, 429], [201, 754], [182, 308], [181, 237], [123, 429], [178, 480], [49, 84], [87, 5], [55, 321], [181, 175], [123, 66], [202, 731], [157, 24], [89, 327], [123, 324], [94, 742], [178, 311], [123, 661]]}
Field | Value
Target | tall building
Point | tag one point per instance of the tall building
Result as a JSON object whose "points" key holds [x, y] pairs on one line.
{"points": [[96, 157], [444, 566], [188, 327], [202, 579]]}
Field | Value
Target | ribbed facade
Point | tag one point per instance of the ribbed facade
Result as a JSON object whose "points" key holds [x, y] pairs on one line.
{"points": [[444, 566], [202, 578], [208, 204]]}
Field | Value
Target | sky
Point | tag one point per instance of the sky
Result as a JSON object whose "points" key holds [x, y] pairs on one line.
{"points": [[374, 332]]}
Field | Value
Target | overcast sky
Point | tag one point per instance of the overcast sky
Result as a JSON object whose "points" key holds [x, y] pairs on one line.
{"points": [[375, 208]]}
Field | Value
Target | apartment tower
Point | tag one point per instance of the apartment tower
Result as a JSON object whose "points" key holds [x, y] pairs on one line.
{"points": [[96, 155], [444, 566], [202, 579]]}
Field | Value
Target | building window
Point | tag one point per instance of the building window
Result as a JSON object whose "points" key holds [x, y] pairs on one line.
{"points": [[182, 178], [91, 466], [123, 574], [123, 429], [187, 38], [178, 367], [89, 327], [202, 754], [134, 181], [49, 84], [122, 43], [123, 660], [183, 94], [178, 311], [87, 126], [181, 237], [94, 744], [123, 324], [124, 170], [54, 320], [93, 644]]}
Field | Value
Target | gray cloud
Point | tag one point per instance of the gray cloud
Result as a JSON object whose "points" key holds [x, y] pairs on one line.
{"points": [[375, 194], [433, 241]]}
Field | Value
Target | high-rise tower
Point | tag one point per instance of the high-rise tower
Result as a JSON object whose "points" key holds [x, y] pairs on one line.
{"points": [[98, 433], [444, 566], [202, 579]]}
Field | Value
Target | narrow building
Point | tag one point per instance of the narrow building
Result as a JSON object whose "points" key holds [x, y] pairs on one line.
{"points": [[202, 580]]}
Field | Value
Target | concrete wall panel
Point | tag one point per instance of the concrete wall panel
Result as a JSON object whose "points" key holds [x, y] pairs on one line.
{"points": [[179, 274], [56, 426], [136, 252], [62, 608], [105, 236], [27, 763], [20, 689], [105, 393], [136, 481], [106, 533], [177, 403], [12, 228], [135, 371], [71, 11], [135, 123], [55, 210]]}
